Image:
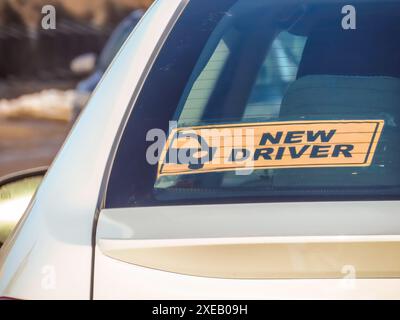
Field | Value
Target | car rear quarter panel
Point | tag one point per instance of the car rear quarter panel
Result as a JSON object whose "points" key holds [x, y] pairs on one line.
{"points": [[49, 256]]}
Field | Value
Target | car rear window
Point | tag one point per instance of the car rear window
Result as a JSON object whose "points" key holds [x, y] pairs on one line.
{"points": [[267, 101]]}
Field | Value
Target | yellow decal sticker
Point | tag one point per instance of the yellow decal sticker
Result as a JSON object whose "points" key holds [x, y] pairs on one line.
{"points": [[293, 144]]}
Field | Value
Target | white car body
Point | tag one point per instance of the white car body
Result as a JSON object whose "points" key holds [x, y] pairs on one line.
{"points": [[53, 253]]}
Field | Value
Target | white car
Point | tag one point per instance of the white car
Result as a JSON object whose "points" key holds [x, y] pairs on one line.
{"points": [[235, 149]]}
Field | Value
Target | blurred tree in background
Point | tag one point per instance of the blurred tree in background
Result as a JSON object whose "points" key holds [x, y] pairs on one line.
{"points": [[97, 12], [37, 86], [29, 52]]}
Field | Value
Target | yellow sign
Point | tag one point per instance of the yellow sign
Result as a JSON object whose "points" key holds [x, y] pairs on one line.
{"points": [[267, 145]]}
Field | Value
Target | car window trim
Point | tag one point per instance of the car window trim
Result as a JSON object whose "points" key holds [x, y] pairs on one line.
{"points": [[110, 161]]}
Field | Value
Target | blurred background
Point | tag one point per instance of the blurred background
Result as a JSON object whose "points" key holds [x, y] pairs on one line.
{"points": [[47, 76]]}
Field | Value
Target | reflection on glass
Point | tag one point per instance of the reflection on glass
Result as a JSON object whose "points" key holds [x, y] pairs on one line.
{"points": [[14, 199]]}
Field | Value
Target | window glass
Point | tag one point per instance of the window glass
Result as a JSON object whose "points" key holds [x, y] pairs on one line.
{"points": [[312, 90], [203, 86], [277, 72]]}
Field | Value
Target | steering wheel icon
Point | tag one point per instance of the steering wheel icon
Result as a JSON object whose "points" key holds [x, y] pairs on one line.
{"points": [[188, 156]]}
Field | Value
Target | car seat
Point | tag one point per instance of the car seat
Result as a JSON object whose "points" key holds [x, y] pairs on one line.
{"points": [[349, 75]]}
